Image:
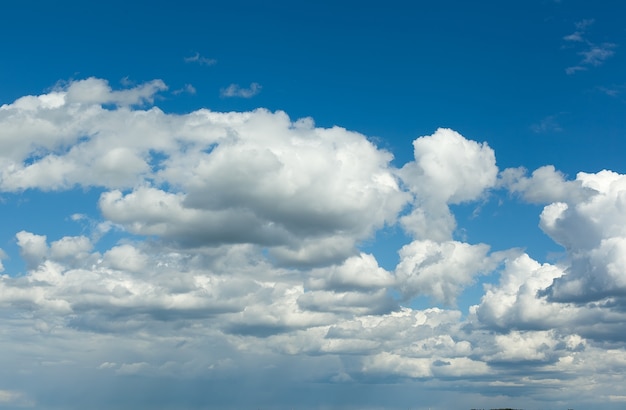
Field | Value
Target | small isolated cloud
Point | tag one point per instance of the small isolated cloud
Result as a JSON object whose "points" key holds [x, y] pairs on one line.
{"points": [[199, 59], [593, 55], [597, 54], [612, 90], [581, 28], [574, 69], [547, 124], [234, 90], [187, 88], [12, 398]]}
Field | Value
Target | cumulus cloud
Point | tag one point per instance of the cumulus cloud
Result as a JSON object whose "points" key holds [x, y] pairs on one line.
{"points": [[309, 193], [448, 169], [545, 185], [235, 256], [592, 230], [585, 216], [441, 270]]}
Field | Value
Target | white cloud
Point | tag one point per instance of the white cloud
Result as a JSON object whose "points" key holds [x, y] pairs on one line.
{"points": [[97, 91], [441, 270], [593, 231], [187, 88], [356, 272], [198, 59], [3, 255], [279, 181], [593, 55], [545, 185], [448, 169], [587, 286], [597, 54], [581, 29], [240, 259], [234, 90], [33, 248], [14, 398], [547, 124]]}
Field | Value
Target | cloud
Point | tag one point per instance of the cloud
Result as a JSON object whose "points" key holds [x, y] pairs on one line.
{"points": [[593, 54], [15, 399], [545, 185], [234, 90], [612, 90], [586, 217], [227, 247], [448, 169], [547, 125], [592, 231], [597, 54], [3, 255], [581, 30], [198, 59], [441, 270], [187, 88]]}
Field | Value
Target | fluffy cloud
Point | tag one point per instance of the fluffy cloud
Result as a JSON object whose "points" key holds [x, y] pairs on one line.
{"points": [[545, 185], [235, 257], [448, 169], [441, 270], [593, 231], [252, 177]]}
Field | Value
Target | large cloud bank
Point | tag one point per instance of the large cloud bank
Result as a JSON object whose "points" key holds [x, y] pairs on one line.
{"points": [[241, 263]]}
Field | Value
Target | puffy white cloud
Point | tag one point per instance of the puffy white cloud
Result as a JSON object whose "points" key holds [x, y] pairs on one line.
{"points": [[33, 248], [593, 230], [514, 303], [441, 270], [271, 184], [448, 169], [357, 272], [545, 185], [204, 178], [97, 91], [241, 259]]}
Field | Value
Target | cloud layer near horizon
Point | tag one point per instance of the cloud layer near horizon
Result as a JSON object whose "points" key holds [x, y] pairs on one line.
{"points": [[242, 258]]}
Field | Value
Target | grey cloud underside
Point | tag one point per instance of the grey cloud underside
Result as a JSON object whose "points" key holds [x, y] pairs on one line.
{"points": [[252, 267]]}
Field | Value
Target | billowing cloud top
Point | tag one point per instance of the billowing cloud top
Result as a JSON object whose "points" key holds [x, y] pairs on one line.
{"points": [[241, 258]]}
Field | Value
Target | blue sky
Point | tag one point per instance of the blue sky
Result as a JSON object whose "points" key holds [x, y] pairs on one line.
{"points": [[313, 205]]}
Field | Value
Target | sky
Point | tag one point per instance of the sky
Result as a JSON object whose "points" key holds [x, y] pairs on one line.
{"points": [[313, 205]]}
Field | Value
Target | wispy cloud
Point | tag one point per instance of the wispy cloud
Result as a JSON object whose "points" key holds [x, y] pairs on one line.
{"points": [[593, 55], [187, 88], [234, 90], [581, 28], [613, 90], [597, 54], [197, 58], [547, 124]]}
